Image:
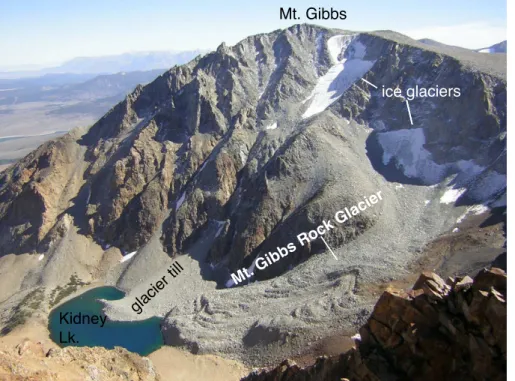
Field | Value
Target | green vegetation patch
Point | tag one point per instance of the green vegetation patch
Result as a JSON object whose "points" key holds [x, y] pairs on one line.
{"points": [[59, 293], [24, 310]]}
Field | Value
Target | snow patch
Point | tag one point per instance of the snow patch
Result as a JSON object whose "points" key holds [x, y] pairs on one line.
{"points": [[180, 201], [427, 202], [461, 218], [88, 197], [40, 258], [340, 77], [475, 210], [455, 230], [337, 46], [272, 126], [451, 195], [128, 256], [357, 337], [479, 209], [479, 183]]}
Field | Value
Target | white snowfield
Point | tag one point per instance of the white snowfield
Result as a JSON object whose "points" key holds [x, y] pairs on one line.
{"points": [[407, 147], [451, 195], [340, 76], [474, 209]]}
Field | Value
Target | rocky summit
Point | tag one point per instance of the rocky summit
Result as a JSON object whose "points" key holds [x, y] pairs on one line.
{"points": [[231, 156]]}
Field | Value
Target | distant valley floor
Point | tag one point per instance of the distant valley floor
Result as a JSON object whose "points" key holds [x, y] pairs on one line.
{"points": [[28, 125]]}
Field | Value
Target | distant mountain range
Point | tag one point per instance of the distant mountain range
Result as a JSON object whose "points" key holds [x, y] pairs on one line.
{"points": [[501, 47], [72, 87], [139, 61]]}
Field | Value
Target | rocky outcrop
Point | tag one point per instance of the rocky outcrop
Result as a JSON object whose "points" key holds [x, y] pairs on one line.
{"points": [[439, 330], [29, 361], [36, 191]]}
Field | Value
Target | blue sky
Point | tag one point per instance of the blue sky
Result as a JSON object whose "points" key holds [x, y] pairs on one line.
{"points": [[36, 32]]}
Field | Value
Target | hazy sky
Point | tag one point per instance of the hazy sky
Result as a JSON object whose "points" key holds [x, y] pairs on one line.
{"points": [[40, 32]]}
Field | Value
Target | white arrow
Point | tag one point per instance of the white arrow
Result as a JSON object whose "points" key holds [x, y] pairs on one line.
{"points": [[332, 252], [409, 112], [371, 84]]}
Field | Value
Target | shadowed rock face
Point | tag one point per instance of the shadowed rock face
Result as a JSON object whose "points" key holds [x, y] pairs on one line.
{"points": [[438, 331], [221, 141]]}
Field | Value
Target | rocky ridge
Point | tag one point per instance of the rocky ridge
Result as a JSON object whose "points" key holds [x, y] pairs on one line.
{"points": [[440, 330]]}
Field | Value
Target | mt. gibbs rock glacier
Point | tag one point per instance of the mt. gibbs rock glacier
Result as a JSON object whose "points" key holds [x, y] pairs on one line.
{"points": [[235, 153]]}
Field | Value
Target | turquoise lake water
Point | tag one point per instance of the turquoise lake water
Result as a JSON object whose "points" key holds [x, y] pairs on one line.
{"points": [[142, 337]]}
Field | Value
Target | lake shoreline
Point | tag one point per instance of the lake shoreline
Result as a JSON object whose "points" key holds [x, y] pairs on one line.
{"points": [[143, 337]]}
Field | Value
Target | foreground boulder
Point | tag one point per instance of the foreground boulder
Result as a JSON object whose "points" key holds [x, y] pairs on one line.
{"points": [[440, 330]]}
